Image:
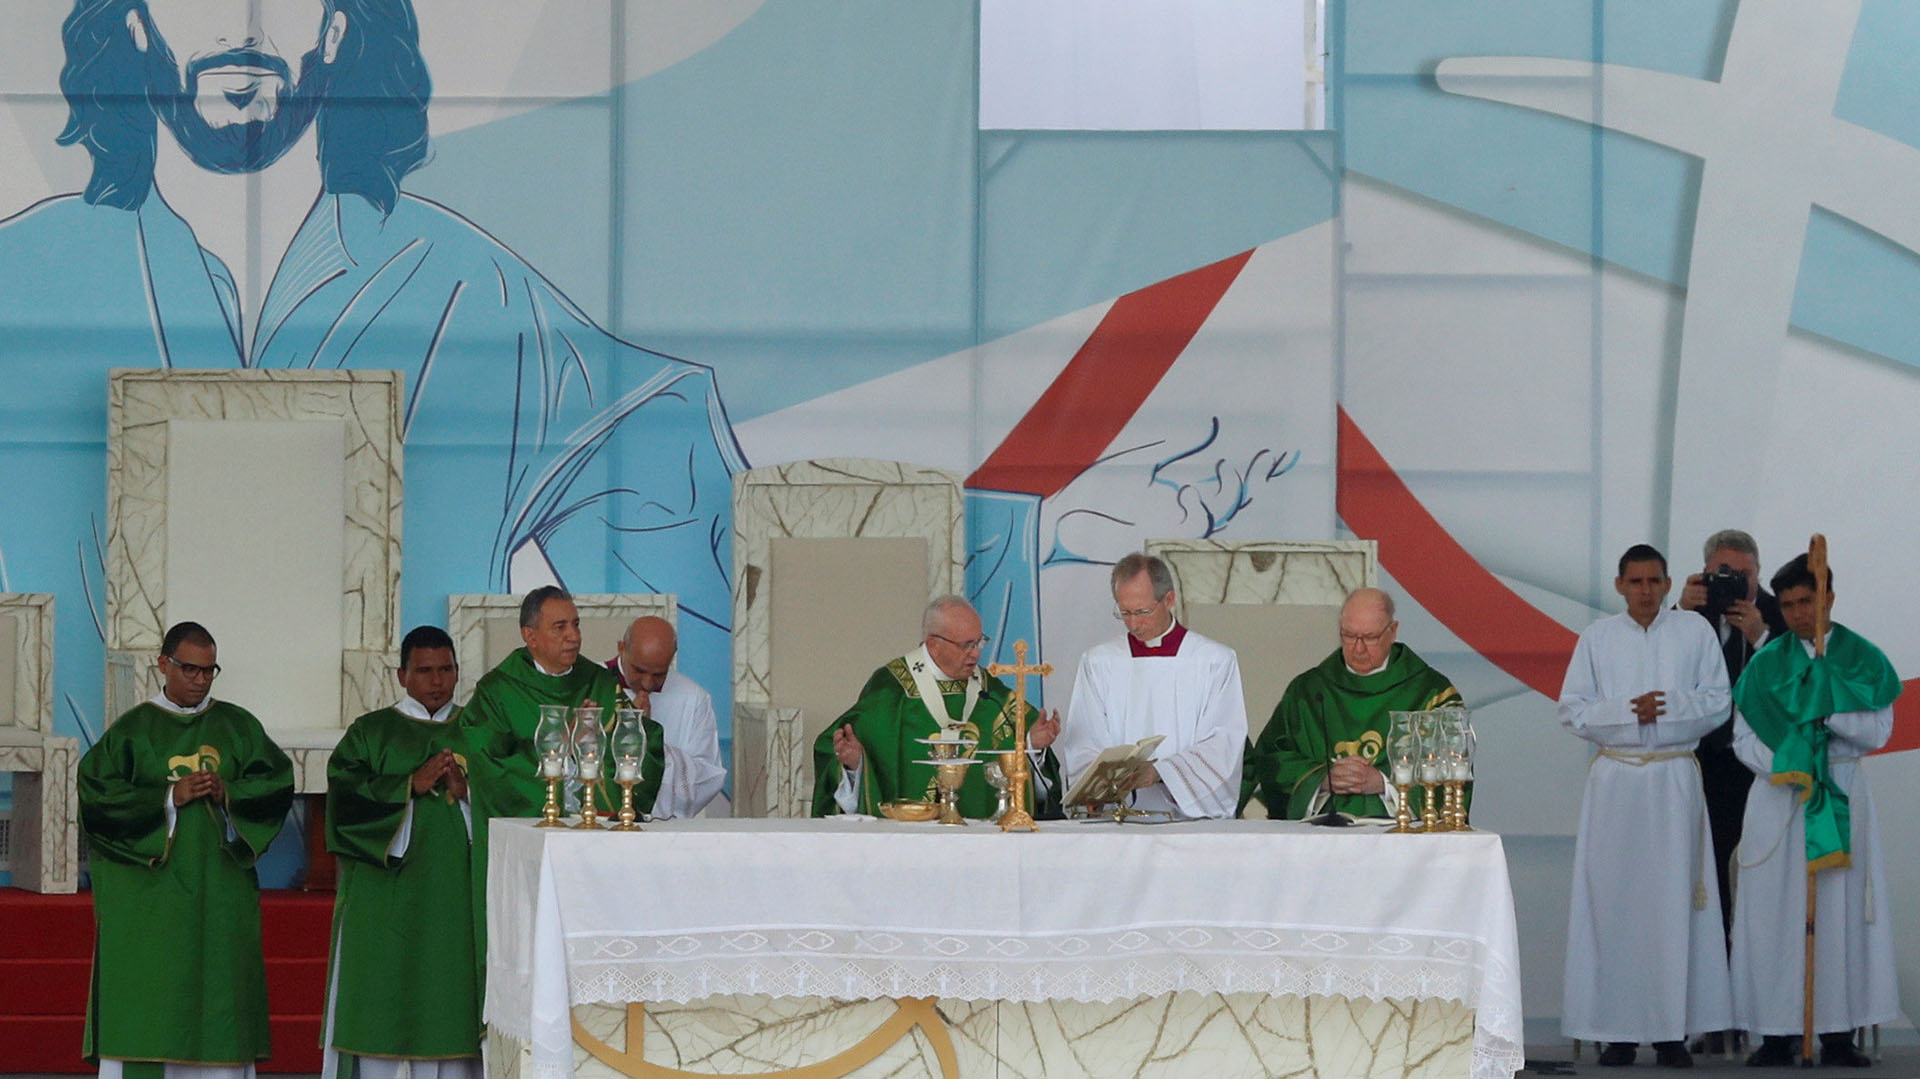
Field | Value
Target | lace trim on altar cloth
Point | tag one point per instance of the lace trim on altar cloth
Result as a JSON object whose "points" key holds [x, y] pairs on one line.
{"points": [[853, 963]]}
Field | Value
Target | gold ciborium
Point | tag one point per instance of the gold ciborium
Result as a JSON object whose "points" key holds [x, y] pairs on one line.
{"points": [[998, 770], [951, 756]]}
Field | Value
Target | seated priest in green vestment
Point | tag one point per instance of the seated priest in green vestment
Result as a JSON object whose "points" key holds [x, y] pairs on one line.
{"points": [[178, 799], [1324, 749], [870, 754], [401, 986]]}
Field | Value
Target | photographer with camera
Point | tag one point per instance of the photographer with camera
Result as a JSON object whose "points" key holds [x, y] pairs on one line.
{"points": [[1744, 616]]}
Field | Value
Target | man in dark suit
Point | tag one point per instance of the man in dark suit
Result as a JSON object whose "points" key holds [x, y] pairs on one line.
{"points": [[1743, 624]]}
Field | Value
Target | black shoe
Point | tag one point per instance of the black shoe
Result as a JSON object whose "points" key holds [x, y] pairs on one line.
{"points": [[1776, 1051], [1618, 1054], [1672, 1055], [1717, 1042], [1837, 1051]]}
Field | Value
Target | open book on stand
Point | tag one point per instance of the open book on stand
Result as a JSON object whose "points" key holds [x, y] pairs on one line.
{"points": [[1109, 779]]}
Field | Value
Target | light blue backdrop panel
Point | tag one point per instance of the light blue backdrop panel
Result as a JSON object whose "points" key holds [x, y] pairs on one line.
{"points": [[799, 199], [1624, 200], [1077, 218]]}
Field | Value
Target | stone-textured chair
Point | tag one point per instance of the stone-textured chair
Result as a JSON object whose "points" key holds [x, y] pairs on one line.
{"points": [[44, 830]]}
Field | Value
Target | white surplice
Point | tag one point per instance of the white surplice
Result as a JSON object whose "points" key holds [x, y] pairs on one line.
{"points": [[694, 771], [1193, 698], [1646, 954], [1855, 983]]}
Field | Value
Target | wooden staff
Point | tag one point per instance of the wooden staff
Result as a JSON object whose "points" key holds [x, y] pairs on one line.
{"points": [[1822, 589]]}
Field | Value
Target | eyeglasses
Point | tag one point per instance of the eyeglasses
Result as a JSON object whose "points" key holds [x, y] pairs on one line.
{"points": [[978, 644], [1348, 637], [1141, 612], [194, 671]]}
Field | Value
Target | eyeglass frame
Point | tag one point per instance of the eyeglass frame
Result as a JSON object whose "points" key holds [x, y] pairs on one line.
{"points": [[1120, 615], [1370, 638], [978, 644], [194, 670]]}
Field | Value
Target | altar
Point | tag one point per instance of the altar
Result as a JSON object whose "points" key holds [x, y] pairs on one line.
{"points": [[818, 948]]}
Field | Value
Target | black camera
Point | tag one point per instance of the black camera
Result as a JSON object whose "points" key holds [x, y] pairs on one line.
{"points": [[1724, 586]]}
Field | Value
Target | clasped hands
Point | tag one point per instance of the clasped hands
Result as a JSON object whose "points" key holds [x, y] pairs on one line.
{"points": [[847, 748], [1650, 706], [1355, 775], [198, 785], [441, 766]]}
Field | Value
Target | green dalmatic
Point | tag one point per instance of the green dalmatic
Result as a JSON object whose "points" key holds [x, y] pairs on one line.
{"points": [[178, 974]]}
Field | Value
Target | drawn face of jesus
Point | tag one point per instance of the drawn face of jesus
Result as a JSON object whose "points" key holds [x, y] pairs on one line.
{"points": [[230, 95]]}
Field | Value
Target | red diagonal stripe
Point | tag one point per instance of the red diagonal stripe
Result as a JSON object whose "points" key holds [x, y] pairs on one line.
{"points": [[1105, 383], [1490, 617], [1493, 619]]}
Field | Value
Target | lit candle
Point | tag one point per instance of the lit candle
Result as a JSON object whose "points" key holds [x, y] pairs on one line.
{"points": [[1403, 773], [628, 770], [1462, 770], [553, 766]]}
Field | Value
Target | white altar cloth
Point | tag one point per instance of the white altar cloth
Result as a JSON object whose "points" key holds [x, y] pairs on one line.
{"points": [[1087, 912]]}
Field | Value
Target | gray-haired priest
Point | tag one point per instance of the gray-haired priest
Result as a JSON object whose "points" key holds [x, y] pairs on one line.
{"points": [[1160, 678]]}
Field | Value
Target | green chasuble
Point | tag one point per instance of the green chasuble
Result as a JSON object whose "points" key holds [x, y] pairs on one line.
{"points": [[402, 979], [1330, 712], [177, 968], [498, 725], [1786, 695], [888, 717]]}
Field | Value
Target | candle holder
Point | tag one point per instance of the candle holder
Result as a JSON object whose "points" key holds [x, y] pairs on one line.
{"points": [[1430, 815], [629, 749], [629, 820], [550, 742], [1403, 757], [587, 750], [1403, 813], [553, 769]]}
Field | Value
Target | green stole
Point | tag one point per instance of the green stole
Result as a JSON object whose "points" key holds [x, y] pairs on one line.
{"points": [[1330, 712], [887, 719], [1786, 696], [403, 933], [178, 973]]}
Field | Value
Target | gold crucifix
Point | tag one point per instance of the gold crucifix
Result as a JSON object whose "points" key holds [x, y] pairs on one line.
{"points": [[1017, 817]]}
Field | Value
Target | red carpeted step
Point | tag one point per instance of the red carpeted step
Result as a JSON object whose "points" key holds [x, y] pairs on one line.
{"points": [[45, 926], [296, 1045], [43, 1044], [46, 959], [296, 924], [296, 986], [44, 987]]}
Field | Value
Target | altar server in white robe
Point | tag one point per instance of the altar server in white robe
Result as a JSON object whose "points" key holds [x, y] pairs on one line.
{"points": [[1646, 960], [1855, 984], [1160, 678], [694, 772]]}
